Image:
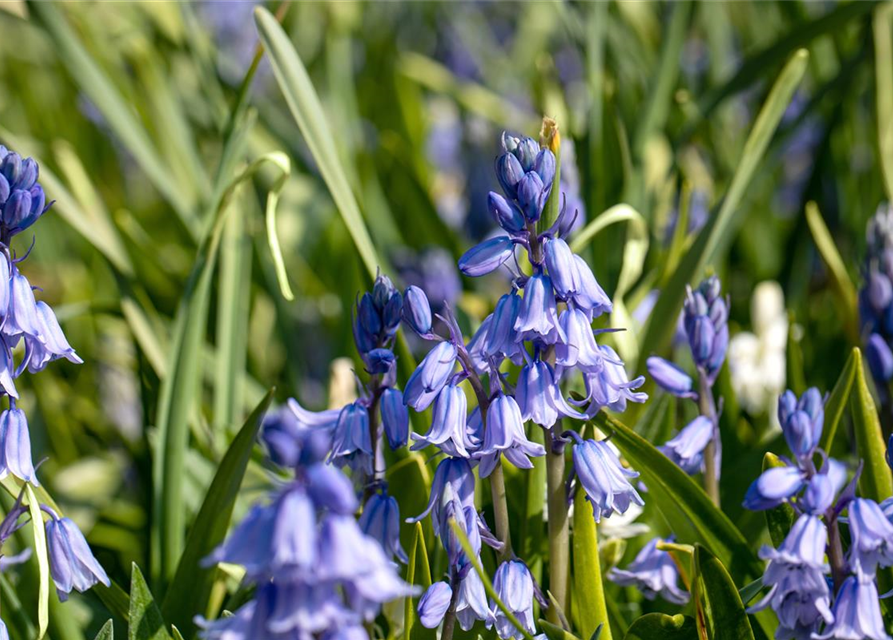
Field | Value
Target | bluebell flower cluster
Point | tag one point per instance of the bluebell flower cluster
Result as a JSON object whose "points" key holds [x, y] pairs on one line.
{"points": [[26, 321], [544, 326], [797, 572], [705, 324], [876, 298]]}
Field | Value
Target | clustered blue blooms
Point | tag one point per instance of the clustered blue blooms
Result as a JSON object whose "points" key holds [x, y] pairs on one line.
{"points": [[705, 316], [319, 569], [800, 594], [23, 319], [876, 298], [543, 325]]}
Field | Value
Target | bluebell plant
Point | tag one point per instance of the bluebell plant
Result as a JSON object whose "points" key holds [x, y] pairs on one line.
{"points": [[807, 603], [26, 321], [697, 447], [543, 325]]}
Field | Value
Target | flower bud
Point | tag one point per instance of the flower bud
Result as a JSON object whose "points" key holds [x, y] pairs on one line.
{"points": [[773, 487], [527, 152], [509, 174], [434, 603], [562, 267], [382, 290], [417, 310], [368, 316], [381, 520], [506, 214], [544, 165], [880, 291], [880, 358], [4, 189], [430, 376], [18, 208], [27, 175], [700, 339], [394, 418], [11, 167], [392, 313], [379, 360], [531, 196], [487, 256], [670, 378]]}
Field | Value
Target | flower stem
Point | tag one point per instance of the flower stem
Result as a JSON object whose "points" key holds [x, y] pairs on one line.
{"points": [[449, 619], [835, 550], [559, 547], [708, 409]]}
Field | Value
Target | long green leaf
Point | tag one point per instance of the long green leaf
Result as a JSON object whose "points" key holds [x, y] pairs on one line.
{"points": [[660, 626], [191, 587], [554, 632], [43, 563], [684, 503], [723, 225], [311, 119], [721, 614], [843, 285], [589, 596], [781, 518], [876, 482], [882, 24], [179, 388], [118, 114], [837, 401], [145, 621]]}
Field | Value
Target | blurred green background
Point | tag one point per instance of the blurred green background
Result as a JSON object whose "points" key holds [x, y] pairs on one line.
{"points": [[127, 106]]}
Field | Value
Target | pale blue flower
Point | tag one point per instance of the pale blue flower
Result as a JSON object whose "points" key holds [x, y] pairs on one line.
{"points": [[653, 572]]}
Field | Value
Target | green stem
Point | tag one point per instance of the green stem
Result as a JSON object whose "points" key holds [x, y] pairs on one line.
{"points": [[559, 543], [708, 409]]}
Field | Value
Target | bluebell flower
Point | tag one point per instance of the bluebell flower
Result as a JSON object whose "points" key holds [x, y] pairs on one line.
{"points": [[538, 317], [539, 397], [15, 446], [506, 214], [434, 603], [509, 173], [562, 267], [880, 358], [653, 572], [857, 612], [871, 536], [22, 200], [686, 449], [453, 478], [475, 346], [578, 349], [505, 435], [329, 488], [379, 360], [798, 592], [705, 318], [72, 564], [468, 520], [773, 487], [876, 295], [487, 256], [292, 434], [532, 195], [590, 296], [604, 478], [500, 339], [352, 441], [346, 632], [611, 387], [381, 520], [802, 421], [471, 603], [430, 376], [448, 423], [394, 418], [671, 378], [417, 310], [514, 586]]}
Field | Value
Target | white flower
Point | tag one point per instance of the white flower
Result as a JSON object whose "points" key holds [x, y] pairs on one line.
{"points": [[757, 360]]}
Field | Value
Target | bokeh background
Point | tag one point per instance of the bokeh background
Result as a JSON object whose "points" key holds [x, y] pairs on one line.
{"points": [[126, 105]]}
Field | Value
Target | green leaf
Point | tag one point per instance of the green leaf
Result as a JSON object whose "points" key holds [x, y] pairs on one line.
{"points": [[589, 597], [837, 401], [179, 388], [780, 519], [749, 591], [876, 482], [843, 285], [107, 632], [145, 619], [660, 626], [114, 598], [723, 225], [311, 119], [119, 116], [720, 612], [43, 563], [189, 591], [882, 25], [418, 563], [688, 510], [488, 586], [554, 632]]}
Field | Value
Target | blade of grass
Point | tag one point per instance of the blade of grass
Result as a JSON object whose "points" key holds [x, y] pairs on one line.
{"points": [[311, 120], [191, 587], [837, 401], [589, 596], [723, 225], [43, 562]]}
